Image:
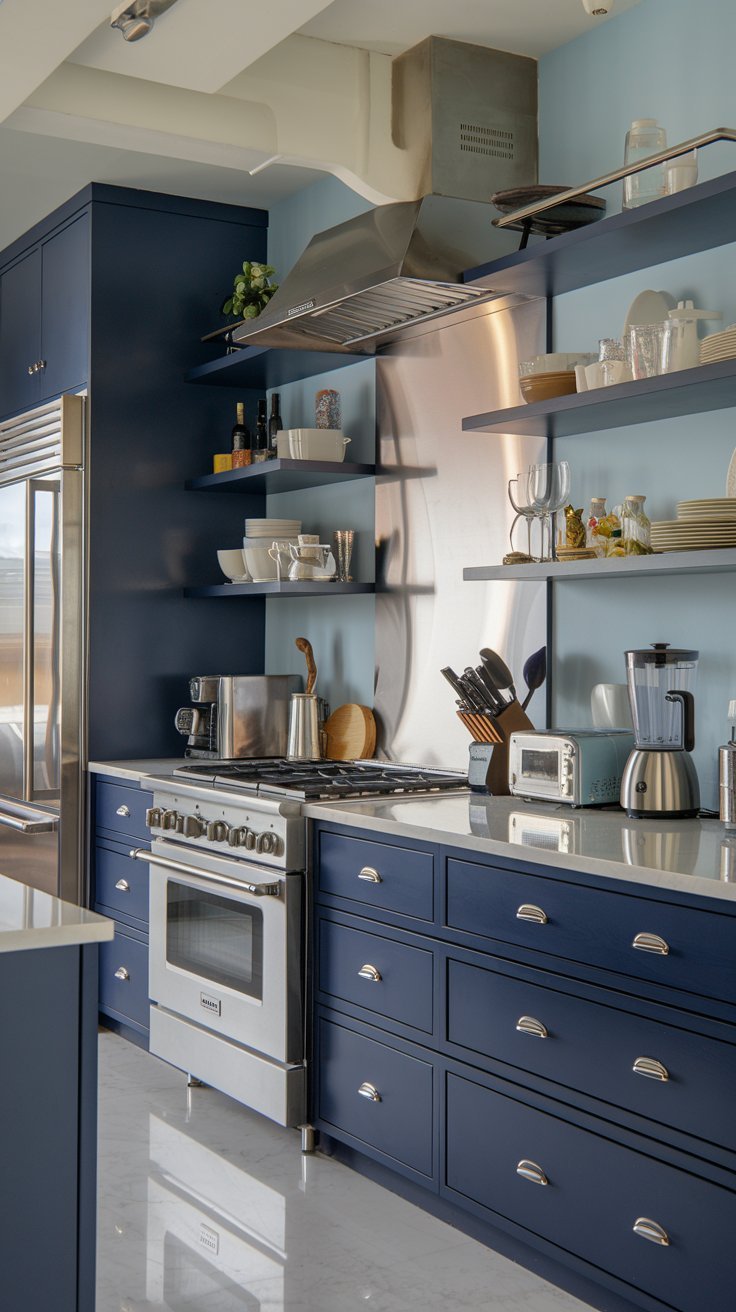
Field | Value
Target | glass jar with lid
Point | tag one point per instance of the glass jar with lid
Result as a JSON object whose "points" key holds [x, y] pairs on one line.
{"points": [[636, 529]]}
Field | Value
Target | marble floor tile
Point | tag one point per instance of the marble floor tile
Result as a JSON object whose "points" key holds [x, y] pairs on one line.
{"points": [[206, 1207]]}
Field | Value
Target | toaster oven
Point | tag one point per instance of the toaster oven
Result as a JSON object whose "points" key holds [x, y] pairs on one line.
{"points": [[580, 767]]}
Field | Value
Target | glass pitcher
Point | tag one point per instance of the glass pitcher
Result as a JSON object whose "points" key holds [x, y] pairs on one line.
{"points": [[661, 683]]}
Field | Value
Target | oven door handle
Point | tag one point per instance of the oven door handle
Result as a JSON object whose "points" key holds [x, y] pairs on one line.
{"points": [[257, 890]]}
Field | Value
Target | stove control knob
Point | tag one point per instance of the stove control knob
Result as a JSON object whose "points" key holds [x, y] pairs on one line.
{"points": [[237, 836], [218, 831], [250, 840], [153, 817], [193, 826], [277, 846], [169, 819], [264, 843], [179, 823]]}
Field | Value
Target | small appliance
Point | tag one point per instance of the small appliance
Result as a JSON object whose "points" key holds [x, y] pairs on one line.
{"points": [[235, 716], [727, 773], [580, 767], [660, 778]]}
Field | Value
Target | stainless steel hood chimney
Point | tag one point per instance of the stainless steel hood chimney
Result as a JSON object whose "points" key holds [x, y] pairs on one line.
{"points": [[467, 116]]}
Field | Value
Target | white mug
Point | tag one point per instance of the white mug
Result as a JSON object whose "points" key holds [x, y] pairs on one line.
{"points": [[594, 375], [581, 382]]}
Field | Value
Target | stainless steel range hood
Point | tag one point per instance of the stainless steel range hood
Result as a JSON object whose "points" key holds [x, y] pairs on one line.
{"points": [[467, 116]]}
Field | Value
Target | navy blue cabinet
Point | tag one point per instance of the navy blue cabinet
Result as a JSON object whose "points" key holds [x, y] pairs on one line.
{"points": [[577, 1085], [44, 319], [120, 890]]}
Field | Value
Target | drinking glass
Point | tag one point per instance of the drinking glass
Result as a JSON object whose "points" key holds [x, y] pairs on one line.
{"points": [[520, 500], [549, 489]]}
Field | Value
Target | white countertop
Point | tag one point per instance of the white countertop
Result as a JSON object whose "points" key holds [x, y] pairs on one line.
{"points": [[137, 770], [690, 856], [31, 919]]}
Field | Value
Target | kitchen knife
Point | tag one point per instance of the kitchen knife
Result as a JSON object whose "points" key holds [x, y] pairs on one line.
{"points": [[456, 684], [498, 702]]}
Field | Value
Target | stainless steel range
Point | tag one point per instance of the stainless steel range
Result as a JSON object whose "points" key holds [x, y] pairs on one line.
{"points": [[228, 913]]}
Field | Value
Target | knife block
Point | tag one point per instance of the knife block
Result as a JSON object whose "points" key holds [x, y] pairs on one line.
{"points": [[496, 731]]}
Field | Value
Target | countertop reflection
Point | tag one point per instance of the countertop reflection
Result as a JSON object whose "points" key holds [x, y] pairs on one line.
{"points": [[693, 856]]}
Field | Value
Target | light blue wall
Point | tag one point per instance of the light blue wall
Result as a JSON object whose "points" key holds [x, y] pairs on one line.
{"points": [[341, 629], [673, 60]]}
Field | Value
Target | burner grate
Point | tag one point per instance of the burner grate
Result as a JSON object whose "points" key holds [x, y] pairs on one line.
{"points": [[324, 779]]}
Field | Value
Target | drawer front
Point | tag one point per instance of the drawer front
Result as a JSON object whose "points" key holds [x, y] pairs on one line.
{"points": [[377, 874], [122, 809], [673, 1076], [677, 947], [127, 994], [398, 1122], [596, 1191], [121, 883], [368, 970]]}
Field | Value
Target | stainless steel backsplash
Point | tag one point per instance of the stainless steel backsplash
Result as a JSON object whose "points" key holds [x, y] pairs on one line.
{"points": [[441, 504]]}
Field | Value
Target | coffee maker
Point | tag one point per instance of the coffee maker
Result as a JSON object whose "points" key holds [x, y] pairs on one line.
{"points": [[234, 716], [659, 778]]}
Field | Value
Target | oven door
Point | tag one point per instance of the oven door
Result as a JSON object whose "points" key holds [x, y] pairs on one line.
{"points": [[226, 947]]}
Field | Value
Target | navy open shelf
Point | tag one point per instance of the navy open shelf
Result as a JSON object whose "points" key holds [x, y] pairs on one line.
{"points": [[695, 220], [690, 391], [281, 476], [303, 589], [261, 367]]}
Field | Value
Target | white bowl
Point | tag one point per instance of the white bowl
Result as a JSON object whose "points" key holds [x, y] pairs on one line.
{"points": [[232, 564], [261, 567], [314, 444]]}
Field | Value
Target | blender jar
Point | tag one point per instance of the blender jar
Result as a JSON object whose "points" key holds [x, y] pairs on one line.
{"points": [[661, 724]]}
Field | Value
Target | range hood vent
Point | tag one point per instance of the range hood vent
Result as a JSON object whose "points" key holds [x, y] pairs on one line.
{"points": [[467, 116]]}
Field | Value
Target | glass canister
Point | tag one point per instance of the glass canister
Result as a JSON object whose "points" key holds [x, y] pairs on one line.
{"points": [[594, 538], [636, 529], [645, 137], [327, 408]]}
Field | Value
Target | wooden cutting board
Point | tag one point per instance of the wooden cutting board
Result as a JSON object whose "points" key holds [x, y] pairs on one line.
{"points": [[351, 733]]}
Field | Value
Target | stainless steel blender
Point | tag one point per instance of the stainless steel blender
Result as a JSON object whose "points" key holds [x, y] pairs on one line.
{"points": [[659, 778]]}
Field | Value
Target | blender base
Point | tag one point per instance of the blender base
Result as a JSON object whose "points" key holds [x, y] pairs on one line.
{"points": [[662, 784]]}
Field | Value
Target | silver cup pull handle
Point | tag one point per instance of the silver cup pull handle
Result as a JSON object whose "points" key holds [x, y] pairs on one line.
{"points": [[530, 1171], [369, 1091], [370, 875], [651, 1068], [651, 943], [369, 972], [527, 911], [122, 973], [529, 1025], [123, 886], [646, 1229]]}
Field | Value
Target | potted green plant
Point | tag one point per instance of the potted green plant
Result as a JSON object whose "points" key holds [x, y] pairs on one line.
{"points": [[253, 287]]}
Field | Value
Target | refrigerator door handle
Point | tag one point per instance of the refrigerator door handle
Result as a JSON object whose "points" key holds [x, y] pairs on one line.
{"points": [[38, 823]]}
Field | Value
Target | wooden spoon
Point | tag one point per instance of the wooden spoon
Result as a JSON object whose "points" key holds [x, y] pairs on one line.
{"points": [[305, 646]]}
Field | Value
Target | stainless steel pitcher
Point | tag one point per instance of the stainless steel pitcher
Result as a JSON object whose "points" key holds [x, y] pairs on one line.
{"points": [[304, 739]]}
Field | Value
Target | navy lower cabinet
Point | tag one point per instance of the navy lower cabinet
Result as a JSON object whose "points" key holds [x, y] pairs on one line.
{"points": [[496, 1035], [120, 891]]}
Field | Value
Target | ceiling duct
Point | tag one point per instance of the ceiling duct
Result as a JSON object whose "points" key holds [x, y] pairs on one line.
{"points": [[467, 117]]}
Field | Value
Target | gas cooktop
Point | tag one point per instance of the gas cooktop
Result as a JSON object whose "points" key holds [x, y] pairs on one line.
{"points": [[326, 780]]}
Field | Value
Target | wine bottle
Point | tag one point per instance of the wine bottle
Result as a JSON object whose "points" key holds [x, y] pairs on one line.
{"points": [[260, 449], [274, 424], [241, 439]]}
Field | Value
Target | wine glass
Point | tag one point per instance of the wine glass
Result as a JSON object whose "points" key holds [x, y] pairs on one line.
{"points": [[549, 489], [518, 491]]}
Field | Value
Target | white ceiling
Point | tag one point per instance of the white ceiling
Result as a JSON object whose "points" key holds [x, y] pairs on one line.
{"points": [[75, 97], [527, 27]]}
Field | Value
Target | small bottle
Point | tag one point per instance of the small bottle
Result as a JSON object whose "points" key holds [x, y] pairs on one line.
{"points": [[727, 774], [241, 439], [274, 424], [260, 447], [644, 137], [594, 539], [636, 530]]}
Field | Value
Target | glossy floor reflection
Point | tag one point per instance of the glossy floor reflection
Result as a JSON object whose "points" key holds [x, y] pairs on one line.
{"points": [[206, 1206]]}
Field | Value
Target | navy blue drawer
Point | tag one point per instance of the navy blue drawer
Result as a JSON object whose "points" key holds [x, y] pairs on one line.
{"points": [[393, 878], [124, 978], [398, 1122], [122, 808], [594, 1049], [596, 1191], [396, 979], [596, 927], [121, 883]]}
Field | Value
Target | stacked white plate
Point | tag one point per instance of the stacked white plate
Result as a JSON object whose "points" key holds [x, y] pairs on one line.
{"points": [[272, 528], [693, 534], [719, 346], [720, 508]]}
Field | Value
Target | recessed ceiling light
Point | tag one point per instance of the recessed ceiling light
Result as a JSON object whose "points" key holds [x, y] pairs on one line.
{"points": [[598, 8]]}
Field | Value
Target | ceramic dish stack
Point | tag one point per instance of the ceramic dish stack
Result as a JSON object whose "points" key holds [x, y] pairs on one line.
{"points": [[272, 528], [546, 376], [719, 346], [701, 525]]}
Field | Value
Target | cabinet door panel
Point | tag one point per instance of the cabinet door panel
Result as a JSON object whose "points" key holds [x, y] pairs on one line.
{"points": [[65, 310], [20, 336]]}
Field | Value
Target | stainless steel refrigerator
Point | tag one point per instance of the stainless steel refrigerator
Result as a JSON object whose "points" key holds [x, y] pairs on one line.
{"points": [[42, 626]]}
